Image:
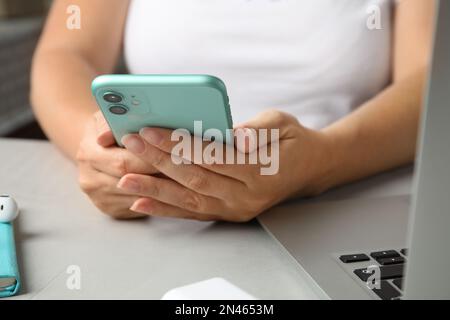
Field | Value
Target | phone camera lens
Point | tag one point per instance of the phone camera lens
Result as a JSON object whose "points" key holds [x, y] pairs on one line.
{"points": [[112, 97], [118, 109]]}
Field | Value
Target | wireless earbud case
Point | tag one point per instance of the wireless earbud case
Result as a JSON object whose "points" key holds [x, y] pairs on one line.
{"points": [[8, 262]]}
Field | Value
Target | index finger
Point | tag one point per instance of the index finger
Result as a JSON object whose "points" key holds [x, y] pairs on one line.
{"points": [[215, 156]]}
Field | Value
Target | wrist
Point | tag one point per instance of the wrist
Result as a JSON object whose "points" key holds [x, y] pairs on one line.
{"points": [[323, 164], [70, 144]]}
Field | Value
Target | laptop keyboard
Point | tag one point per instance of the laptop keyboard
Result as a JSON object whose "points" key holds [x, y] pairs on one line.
{"points": [[391, 265]]}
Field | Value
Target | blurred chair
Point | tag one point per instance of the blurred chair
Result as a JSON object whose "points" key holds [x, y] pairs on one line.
{"points": [[18, 37], [20, 25]]}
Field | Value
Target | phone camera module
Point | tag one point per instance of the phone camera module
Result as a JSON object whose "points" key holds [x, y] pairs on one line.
{"points": [[112, 97], [118, 109]]}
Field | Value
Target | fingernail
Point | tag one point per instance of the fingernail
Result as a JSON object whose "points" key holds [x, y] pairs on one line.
{"points": [[133, 143], [141, 206], [151, 135], [129, 185], [101, 140]]}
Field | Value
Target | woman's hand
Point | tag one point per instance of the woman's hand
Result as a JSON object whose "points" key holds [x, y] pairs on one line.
{"points": [[101, 164], [231, 192]]}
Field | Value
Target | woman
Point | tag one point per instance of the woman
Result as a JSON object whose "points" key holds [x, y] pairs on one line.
{"points": [[341, 80]]}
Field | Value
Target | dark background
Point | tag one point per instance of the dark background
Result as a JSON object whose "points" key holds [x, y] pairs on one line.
{"points": [[20, 26]]}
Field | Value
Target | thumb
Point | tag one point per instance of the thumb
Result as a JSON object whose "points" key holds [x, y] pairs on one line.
{"points": [[267, 127], [270, 119]]}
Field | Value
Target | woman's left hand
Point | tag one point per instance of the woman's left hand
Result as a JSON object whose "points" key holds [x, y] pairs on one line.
{"points": [[230, 192]]}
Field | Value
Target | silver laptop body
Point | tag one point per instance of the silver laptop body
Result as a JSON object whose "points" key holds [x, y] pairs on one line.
{"points": [[378, 216]]}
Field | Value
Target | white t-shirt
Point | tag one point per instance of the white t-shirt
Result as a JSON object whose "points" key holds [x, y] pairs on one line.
{"points": [[316, 59]]}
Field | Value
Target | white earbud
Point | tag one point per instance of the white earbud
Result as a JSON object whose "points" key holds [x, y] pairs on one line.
{"points": [[8, 209]]}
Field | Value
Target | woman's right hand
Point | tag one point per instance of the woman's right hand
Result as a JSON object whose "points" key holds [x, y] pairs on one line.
{"points": [[101, 164]]}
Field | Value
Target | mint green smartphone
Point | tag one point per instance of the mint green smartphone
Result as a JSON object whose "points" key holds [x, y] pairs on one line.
{"points": [[131, 102]]}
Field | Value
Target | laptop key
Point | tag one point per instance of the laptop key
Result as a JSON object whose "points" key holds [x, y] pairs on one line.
{"points": [[398, 283], [363, 274], [349, 258], [388, 261], [384, 254], [386, 291], [386, 272]]}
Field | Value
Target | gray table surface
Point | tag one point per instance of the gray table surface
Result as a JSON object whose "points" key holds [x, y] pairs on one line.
{"points": [[142, 259]]}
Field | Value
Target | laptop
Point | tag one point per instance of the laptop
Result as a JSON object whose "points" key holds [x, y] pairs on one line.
{"points": [[388, 245]]}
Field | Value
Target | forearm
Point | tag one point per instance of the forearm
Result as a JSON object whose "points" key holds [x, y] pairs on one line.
{"points": [[380, 135], [61, 96]]}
